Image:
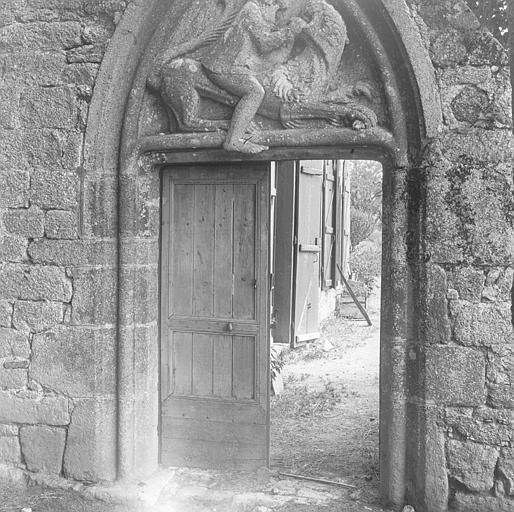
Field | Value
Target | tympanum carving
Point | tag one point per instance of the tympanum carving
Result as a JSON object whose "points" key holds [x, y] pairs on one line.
{"points": [[257, 62]]}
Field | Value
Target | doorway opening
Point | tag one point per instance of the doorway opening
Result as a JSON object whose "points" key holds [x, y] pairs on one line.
{"points": [[326, 261]]}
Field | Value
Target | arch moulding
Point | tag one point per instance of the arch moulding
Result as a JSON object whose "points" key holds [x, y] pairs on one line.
{"points": [[120, 144]]}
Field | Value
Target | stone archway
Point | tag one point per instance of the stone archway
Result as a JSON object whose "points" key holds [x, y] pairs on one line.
{"points": [[123, 159]]}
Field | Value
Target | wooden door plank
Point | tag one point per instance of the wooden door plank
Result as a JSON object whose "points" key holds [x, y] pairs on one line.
{"points": [[202, 364], [212, 431], [181, 363], [244, 367], [284, 252], [203, 284], [222, 382], [205, 454], [180, 285], [244, 251], [230, 411], [223, 261]]}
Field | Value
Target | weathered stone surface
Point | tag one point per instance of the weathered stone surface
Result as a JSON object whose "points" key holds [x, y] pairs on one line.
{"points": [[100, 206], [55, 190], [471, 104], [29, 223], [13, 249], [498, 285], [481, 324], [90, 448], [469, 283], [485, 49], [448, 49], [61, 225], [15, 188], [11, 379], [43, 448], [10, 451], [79, 362], [479, 503], [73, 252], [13, 343], [455, 376], [34, 283], [463, 464], [94, 298], [506, 469], [41, 35], [53, 107], [437, 323], [6, 310], [464, 75], [483, 424], [33, 409], [37, 316]]}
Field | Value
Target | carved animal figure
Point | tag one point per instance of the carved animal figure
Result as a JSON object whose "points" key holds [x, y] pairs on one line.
{"points": [[293, 88]]}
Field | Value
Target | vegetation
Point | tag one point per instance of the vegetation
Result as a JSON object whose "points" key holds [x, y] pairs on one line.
{"points": [[493, 14]]}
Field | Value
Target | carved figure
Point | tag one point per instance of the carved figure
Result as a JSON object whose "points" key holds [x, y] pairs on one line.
{"points": [[250, 65]]}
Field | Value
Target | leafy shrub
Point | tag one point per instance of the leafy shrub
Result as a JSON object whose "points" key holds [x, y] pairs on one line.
{"points": [[362, 225], [366, 262]]}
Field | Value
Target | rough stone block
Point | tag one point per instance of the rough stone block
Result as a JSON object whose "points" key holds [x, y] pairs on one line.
{"points": [[37, 316], [448, 49], [15, 188], [11, 379], [13, 249], [506, 469], [455, 376], [41, 35], [10, 451], [483, 425], [481, 324], [13, 343], [472, 464], [469, 283], [79, 362], [436, 321], [53, 107], [8, 107], [43, 448], [498, 285], [61, 225], [32, 409], [29, 223], [6, 310], [73, 253], [34, 282], [94, 297], [91, 446], [55, 190], [478, 503]]}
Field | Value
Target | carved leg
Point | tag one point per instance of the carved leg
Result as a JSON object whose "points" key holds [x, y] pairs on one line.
{"points": [[252, 94]]}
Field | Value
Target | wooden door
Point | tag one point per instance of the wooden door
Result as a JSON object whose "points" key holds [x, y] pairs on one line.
{"points": [[214, 349], [308, 251]]}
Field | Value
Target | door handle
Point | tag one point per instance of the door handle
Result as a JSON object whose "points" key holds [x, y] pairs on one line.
{"points": [[230, 327]]}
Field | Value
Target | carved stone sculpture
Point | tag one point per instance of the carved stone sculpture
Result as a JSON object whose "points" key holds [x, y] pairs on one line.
{"points": [[248, 63]]}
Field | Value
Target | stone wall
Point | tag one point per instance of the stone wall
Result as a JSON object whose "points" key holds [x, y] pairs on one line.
{"points": [[58, 259], [57, 285], [464, 361]]}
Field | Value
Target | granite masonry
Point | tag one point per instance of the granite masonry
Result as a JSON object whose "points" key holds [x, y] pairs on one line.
{"points": [[79, 251]]}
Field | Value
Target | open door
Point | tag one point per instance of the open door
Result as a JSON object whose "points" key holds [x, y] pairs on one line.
{"points": [[214, 319], [308, 251]]}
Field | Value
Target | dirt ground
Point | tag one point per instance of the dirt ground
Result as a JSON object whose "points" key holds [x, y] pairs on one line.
{"points": [[325, 424]]}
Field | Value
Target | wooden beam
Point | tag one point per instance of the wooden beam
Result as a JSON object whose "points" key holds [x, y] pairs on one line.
{"points": [[354, 297]]}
